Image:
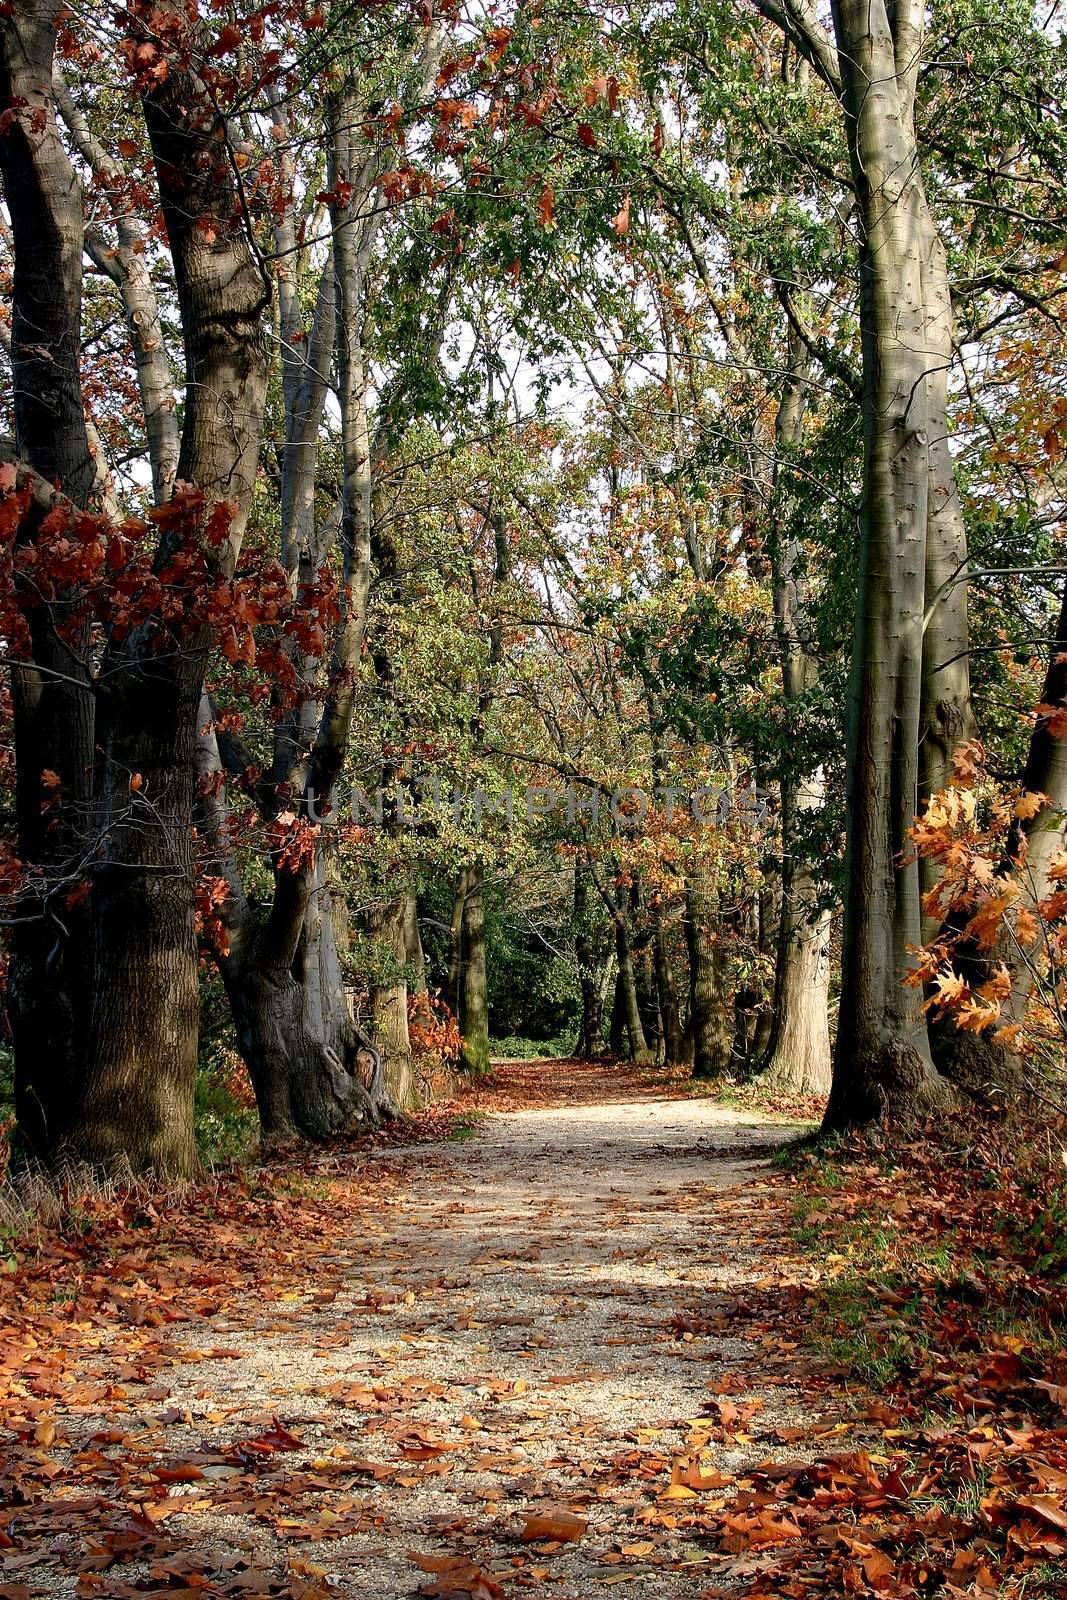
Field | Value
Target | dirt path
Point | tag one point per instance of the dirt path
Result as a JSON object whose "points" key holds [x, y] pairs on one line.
{"points": [[542, 1321]]}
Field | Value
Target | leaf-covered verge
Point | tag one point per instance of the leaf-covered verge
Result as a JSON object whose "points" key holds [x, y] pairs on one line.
{"points": [[934, 1303]]}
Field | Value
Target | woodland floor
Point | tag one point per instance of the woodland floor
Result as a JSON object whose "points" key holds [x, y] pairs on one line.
{"points": [[532, 1357]]}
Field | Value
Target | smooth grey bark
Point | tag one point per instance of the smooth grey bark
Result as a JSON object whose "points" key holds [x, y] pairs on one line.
{"points": [[455, 940], [473, 975], [899, 690], [126, 263], [798, 1056], [474, 989], [414, 954], [626, 1011], [946, 718], [882, 1061], [798, 1052], [388, 922], [304, 1084]]}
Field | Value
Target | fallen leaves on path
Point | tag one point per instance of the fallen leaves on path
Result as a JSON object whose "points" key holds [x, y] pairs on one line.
{"points": [[467, 1375]]}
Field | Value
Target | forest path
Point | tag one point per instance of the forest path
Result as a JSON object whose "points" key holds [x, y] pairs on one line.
{"points": [[552, 1315], [542, 1320]]}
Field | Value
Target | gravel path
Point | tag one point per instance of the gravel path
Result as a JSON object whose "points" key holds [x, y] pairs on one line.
{"points": [[538, 1323]]}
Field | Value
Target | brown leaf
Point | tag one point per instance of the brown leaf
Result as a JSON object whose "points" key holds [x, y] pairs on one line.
{"points": [[561, 1527]]}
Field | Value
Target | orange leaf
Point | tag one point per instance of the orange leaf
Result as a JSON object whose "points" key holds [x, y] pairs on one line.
{"points": [[546, 207], [562, 1527], [1029, 804]]}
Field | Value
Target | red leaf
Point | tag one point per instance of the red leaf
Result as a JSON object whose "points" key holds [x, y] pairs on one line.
{"points": [[546, 207]]}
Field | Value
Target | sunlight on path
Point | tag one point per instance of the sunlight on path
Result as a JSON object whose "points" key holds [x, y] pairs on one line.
{"points": [[540, 1324]]}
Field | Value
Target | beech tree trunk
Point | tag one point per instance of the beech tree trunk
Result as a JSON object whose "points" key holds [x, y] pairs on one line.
{"points": [[389, 1002], [617, 1041], [455, 941], [882, 1062], [798, 1056], [946, 714], [415, 955]]}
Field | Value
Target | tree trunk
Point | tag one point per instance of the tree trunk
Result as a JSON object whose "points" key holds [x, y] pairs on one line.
{"points": [[617, 1042], [589, 980], [946, 716], [388, 922], [455, 940], [667, 987], [137, 1108], [131, 1104], [314, 1074], [416, 959], [474, 995], [882, 1061], [630, 1009], [709, 1007], [798, 1055], [52, 696]]}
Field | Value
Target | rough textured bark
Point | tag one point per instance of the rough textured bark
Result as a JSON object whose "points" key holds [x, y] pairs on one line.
{"points": [[137, 1014], [144, 957], [54, 708], [709, 1004], [882, 1061]]}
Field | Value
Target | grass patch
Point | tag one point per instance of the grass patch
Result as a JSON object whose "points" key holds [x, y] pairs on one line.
{"points": [[466, 1126], [754, 1096]]}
